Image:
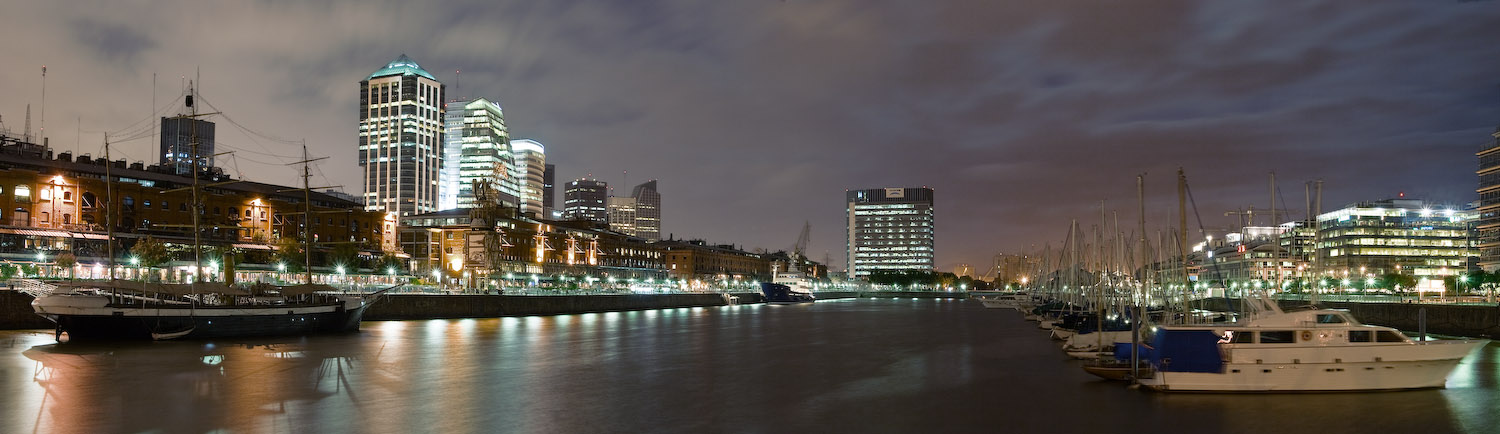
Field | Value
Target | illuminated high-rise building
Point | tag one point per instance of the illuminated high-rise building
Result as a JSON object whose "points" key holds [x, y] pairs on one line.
{"points": [[647, 211], [529, 164], [586, 199], [889, 229], [477, 154], [1488, 227], [401, 138]]}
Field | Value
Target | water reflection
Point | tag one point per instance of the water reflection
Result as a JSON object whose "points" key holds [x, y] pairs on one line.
{"points": [[849, 365], [177, 386]]}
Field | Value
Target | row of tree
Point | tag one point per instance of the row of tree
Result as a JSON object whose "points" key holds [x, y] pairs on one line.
{"points": [[908, 278]]}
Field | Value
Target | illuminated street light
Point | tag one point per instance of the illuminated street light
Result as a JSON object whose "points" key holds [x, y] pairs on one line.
{"points": [[134, 261], [279, 266]]}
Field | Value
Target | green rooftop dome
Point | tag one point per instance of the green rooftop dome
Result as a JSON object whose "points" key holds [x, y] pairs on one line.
{"points": [[401, 66]]}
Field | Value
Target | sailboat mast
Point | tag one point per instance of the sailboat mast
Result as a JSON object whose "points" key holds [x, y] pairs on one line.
{"points": [[1182, 240], [306, 215], [1275, 234], [197, 206], [109, 203]]}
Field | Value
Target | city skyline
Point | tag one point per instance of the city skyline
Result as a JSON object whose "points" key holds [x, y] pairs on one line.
{"points": [[757, 115]]}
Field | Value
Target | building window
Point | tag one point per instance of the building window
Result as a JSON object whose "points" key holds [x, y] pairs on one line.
{"points": [[23, 193], [67, 196], [67, 219], [146, 203], [129, 203], [46, 217], [164, 205]]}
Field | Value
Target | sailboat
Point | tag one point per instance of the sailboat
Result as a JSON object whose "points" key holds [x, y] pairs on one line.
{"points": [[124, 309]]}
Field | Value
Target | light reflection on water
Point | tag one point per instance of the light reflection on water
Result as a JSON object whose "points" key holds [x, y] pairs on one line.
{"points": [[845, 365]]}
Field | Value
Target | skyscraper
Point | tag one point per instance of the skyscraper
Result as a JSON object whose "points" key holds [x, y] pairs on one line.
{"points": [[638, 215], [477, 152], [400, 138], [622, 215], [647, 211], [530, 161], [585, 199], [1488, 226], [889, 229], [177, 135]]}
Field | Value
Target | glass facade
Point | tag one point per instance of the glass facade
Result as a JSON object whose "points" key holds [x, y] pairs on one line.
{"points": [[477, 152]]}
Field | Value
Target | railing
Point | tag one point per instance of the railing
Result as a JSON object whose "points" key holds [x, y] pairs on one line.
{"points": [[34, 288], [1384, 298]]}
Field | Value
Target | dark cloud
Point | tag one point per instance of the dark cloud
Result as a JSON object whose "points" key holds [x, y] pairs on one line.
{"points": [[756, 116], [116, 42]]}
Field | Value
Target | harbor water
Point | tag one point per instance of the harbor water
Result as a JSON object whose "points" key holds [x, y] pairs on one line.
{"points": [[855, 365]]}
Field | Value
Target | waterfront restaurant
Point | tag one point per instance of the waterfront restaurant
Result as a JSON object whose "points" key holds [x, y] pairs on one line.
{"points": [[493, 249]]}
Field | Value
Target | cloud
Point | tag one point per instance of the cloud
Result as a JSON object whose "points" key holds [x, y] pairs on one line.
{"points": [[756, 116]]}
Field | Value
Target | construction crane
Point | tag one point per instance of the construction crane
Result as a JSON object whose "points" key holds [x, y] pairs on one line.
{"points": [[799, 251]]}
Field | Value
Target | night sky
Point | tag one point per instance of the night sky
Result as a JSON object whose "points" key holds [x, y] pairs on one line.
{"points": [[755, 116]]}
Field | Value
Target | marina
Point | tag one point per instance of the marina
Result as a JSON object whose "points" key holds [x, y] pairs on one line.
{"points": [[871, 365]]}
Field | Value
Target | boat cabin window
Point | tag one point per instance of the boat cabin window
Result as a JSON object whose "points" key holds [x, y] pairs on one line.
{"points": [[1277, 337], [1241, 337], [1359, 336], [1329, 318], [1389, 336]]}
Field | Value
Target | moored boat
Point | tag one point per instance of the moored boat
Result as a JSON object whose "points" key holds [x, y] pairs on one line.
{"points": [[782, 294], [136, 310], [1309, 350]]}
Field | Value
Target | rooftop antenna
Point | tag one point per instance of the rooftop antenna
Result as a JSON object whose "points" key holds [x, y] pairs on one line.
{"points": [[457, 91], [26, 135], [152, 112], [42, 131]]}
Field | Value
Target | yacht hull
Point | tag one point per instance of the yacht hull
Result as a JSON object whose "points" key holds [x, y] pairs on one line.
{"points": [[1308, 377], [1396, 367]]}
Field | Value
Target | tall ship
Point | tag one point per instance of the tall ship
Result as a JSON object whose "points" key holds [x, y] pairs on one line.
{"points": [[1298, 351], [124, 309], [128, 309]]}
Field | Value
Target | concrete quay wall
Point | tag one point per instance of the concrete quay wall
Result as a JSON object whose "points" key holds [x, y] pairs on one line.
{"points": [[16, 313], [1456, 320], [1443, 319], [415, 306]]}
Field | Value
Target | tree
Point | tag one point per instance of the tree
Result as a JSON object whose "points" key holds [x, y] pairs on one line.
{"points": [[387, 263], [8, 271], [66, 260], [289, 252], [346, 255], [150, 253]]}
